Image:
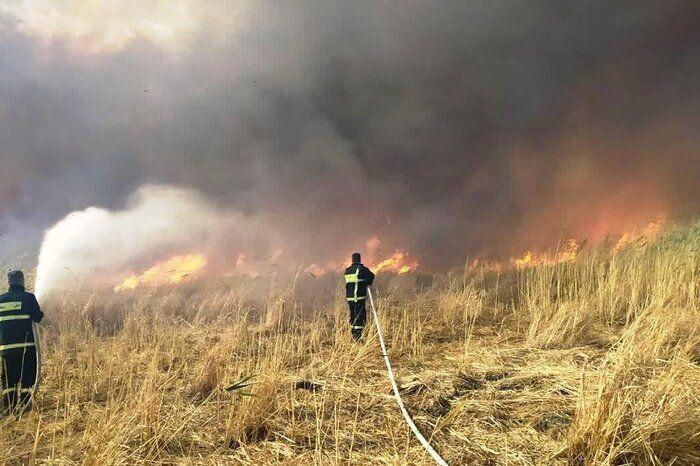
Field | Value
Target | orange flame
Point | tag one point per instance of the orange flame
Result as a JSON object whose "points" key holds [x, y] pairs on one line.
{"points": [[171, 271], [567, 253], [398, 263], [642, 237]]}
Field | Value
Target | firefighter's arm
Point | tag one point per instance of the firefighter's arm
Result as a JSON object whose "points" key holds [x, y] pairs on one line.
{"points": [[368, 276], [35, 309]]}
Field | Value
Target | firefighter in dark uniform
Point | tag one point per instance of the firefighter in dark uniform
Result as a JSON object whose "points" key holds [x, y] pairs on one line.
{"points": [[357, 279], [18, 309]]}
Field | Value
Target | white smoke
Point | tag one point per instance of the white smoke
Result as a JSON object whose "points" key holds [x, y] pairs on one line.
{"points": [[102, 27], [157, 219]]}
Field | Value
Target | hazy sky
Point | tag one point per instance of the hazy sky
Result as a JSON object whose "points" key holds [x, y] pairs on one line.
{"points": [[450, 128]]}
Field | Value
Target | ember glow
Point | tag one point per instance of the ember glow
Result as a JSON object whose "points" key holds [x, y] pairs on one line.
{"points": [[169, 272]]}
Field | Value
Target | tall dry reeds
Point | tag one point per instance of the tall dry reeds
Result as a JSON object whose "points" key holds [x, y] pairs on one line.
{"points": [[593, 361]]}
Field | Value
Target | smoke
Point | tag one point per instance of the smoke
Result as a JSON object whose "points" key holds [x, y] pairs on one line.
{"points": [[96, 243], [449, 129]]}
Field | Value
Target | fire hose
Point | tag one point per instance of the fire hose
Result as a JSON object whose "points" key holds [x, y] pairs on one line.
{"points": [[435, 455]]}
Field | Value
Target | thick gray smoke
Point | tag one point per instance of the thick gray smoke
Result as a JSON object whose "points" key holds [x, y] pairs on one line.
{"points": [[447, 128]]}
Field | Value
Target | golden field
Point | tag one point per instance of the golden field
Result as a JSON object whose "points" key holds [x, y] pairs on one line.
{"points": [[590, 361]]}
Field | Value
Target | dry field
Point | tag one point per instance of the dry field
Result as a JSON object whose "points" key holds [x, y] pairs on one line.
{"points": [[594, 361]]}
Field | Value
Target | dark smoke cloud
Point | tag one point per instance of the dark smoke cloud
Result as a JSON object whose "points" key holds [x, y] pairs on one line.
{"points": [[447, 128]]}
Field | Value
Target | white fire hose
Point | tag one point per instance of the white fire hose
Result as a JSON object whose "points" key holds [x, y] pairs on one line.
{"points": [[438, 459], [37, 352]]}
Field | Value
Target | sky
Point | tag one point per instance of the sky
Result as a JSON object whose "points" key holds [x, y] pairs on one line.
{"points": [[451, 129]]}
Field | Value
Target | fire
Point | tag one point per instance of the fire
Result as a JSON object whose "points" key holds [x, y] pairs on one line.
{"points": [[567, 253], [397, 263], [525, 261], [170, 271], [179, 267], [643, 236]]}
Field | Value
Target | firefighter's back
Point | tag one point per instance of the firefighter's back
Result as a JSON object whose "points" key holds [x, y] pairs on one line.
{"points": [[18, 346], [15, 320]]}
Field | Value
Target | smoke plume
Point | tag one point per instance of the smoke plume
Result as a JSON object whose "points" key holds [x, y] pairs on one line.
{"points": [[450, 129], [94, 243]]}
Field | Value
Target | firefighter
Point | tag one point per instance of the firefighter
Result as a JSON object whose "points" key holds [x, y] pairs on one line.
{"points": [[20, 362], [357, 279]]}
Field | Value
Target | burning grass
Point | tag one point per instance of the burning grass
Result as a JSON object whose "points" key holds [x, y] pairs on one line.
{"points": [[585, 361]]}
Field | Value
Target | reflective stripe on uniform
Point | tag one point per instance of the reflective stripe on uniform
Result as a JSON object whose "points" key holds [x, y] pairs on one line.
{"points": [[14, 389], [12, 306], [355, 278], [18, 317], [16, 345]]}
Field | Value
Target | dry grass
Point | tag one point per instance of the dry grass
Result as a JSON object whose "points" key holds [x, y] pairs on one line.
{"points": [[591, 362]]}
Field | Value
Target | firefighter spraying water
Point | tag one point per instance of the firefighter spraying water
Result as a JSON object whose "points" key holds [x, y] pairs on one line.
{"points": [[19, 311]]}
